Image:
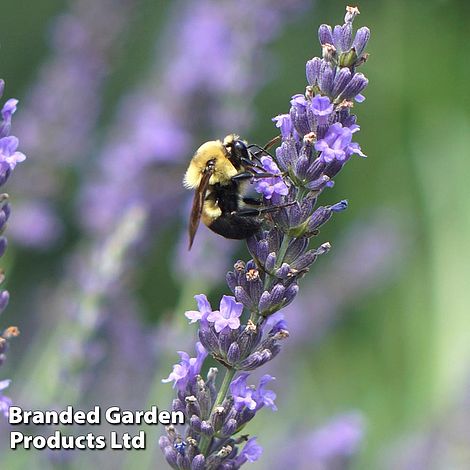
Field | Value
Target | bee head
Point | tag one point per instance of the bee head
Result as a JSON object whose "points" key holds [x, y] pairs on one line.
{"points": [[237, 150], [212, 158]]}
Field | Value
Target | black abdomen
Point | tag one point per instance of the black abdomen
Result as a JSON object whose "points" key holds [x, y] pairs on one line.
{"points": [[230, 224], [235, 226]]}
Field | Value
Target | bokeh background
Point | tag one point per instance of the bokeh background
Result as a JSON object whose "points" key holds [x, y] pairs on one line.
{"points": [[115, 96]]}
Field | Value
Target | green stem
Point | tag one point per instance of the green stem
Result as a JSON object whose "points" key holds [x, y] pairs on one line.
{"points": [[229, 373], [280, 257]]}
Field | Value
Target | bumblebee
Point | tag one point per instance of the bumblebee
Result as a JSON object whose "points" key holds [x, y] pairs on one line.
{"points": [[219, 172]]}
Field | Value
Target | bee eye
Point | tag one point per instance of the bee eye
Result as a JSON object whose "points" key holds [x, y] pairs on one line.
{"points": [[240, 146]]}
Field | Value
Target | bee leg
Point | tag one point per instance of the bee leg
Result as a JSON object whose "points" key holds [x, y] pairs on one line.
{"points": [[252, 212], [252, 201], [247, 212], [259, 153], [249, 163], [248, 175]]}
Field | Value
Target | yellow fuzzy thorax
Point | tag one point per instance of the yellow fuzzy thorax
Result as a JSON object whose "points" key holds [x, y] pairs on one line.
{"points": [[212, 150]]}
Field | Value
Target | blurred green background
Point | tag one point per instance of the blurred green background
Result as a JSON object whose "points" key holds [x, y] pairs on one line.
{"points": [[400, 353]]}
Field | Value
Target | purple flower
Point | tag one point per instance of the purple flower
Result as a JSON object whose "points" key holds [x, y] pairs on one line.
{"points": [[9, 108], [269, 187], [312, 153], [322, 107], [299, 103], [252, 398], [5, 402], [330, 446], [4, 299], [228, 315], [250, 453], [276, 322], [8, 153], [9, 157], [337, 143], [35, 224], [204, 309], [187, 369], [360, 98], [59, 128], [340, 437], [242, 394], [284, 122], [264, 397]]}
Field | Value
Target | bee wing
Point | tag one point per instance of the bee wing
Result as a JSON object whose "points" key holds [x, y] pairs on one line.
{"points": [[198, 203]]}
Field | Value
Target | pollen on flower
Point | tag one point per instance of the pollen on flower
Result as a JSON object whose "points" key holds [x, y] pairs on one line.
{"points": [[252, 275], [310, 137], [328, 52], [282, 334], [11, 332], [353, 10], [250, 326], [346, 104], [239, 266]]}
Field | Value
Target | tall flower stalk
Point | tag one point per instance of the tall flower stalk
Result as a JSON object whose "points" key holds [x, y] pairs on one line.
{"points": [[248, 328], [59, 128], [9, 158]]}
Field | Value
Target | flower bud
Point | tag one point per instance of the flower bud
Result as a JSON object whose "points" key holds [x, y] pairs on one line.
{"points": [[207, 429], [264, 302], [195, 423], [177, 405], [170, 455], [346, 36], [312, 70], [204, 398], [325, 80], [277, 294], [325, 35], [283, 272], [248, 339], [342, 78], [192, 406], [270, 262], [242, 296], [361, 39], [233, 354], [183, 462], [198, 463], [229, 427], [354, 87], [217, 418], [208, 338]]}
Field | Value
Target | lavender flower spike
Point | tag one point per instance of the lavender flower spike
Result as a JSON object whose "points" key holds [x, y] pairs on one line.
{"points": [[5, 402], [9, 158], [249, 328]]}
